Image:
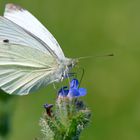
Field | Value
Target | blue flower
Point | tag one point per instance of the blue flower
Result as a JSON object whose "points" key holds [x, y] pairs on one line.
{"points": [[73, 92]]}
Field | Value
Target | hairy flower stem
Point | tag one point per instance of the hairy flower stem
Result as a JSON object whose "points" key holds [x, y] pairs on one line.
{"points": [[66, 121]]}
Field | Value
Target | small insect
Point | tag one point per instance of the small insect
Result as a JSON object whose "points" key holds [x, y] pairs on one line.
{"points": [[30, 57]]}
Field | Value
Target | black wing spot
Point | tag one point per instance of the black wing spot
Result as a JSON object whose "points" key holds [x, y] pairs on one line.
{"points": [[6, 41]]}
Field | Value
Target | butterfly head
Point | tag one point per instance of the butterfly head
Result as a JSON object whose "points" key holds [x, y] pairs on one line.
{"points": [[68, 64], [71, 63]]}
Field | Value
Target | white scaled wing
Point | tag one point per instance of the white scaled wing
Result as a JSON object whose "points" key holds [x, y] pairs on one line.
{"points": [[25, 62], [16, 35], [30, 56], [27, 21], [24, 69]]}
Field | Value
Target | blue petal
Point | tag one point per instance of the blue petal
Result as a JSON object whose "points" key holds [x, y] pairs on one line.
{"points": [[82, 91], [73, 93], [63, 91], [74, 83]]}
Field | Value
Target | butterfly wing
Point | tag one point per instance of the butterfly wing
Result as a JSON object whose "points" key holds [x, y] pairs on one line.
{"points": [[25, 63], [26, 20], [24, 69], [17, 35]]}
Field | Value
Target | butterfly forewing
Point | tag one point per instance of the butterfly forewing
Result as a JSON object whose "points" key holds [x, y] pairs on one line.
{"points": [[26, 20], [16, 35]]}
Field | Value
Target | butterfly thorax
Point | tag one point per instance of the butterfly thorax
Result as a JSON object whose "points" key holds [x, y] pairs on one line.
{"points": [[66, 65]]}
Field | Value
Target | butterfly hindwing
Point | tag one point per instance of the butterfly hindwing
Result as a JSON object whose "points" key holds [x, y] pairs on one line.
{"points": [[24, 71]]}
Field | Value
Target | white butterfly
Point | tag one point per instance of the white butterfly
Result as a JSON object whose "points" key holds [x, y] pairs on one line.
{"points": [[30, 57]]}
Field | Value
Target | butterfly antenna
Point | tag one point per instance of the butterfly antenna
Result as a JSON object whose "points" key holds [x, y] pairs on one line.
{"points": [[85, 57]]}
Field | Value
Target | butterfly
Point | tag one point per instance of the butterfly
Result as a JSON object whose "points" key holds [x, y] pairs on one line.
{"points": [[30, 57]]}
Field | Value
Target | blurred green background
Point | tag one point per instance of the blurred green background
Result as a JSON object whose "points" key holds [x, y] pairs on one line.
{"points": [[83, 28]]}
